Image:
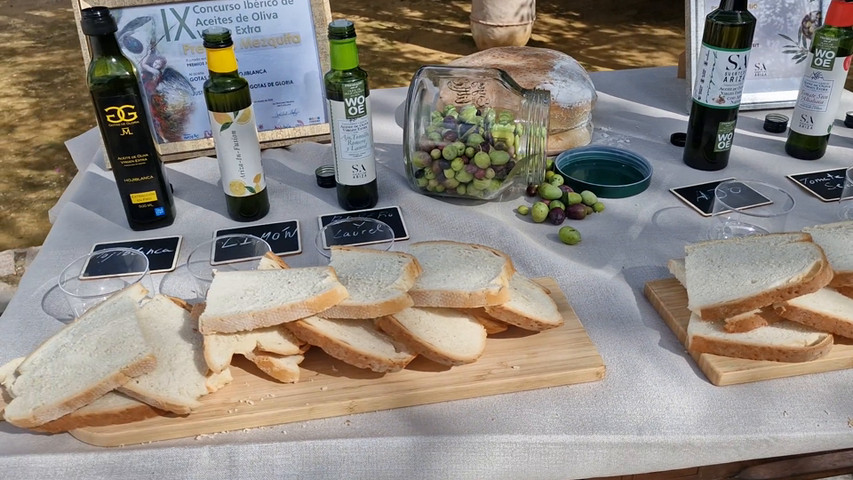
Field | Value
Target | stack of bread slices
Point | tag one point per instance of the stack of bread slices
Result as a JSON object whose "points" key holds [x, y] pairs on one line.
{"points": [[779, 297], [372, 309]]}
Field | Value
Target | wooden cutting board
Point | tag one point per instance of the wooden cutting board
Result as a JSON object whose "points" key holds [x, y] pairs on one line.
{"points": [[513, 361], [669, 298]]}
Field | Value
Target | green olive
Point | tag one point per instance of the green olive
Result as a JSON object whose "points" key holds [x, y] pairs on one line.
{"points": [[573, 198], [557, 180], [598, 207], [539, 212], [570, 236], [589, 198], [523, 209], [550, 192], [556, 204]]}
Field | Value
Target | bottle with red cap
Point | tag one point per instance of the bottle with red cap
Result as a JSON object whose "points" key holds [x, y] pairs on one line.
{"points": [[823, 83]]}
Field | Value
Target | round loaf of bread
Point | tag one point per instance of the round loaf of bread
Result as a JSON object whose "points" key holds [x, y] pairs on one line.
{"points": [[572, 92]]}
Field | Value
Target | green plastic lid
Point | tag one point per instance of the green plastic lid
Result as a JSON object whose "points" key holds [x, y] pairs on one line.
{"points": [[608, 172]]}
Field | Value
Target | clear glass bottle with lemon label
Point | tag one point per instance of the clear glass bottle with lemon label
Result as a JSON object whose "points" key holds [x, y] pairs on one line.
{"points": [[235, 133], [129, 146]]}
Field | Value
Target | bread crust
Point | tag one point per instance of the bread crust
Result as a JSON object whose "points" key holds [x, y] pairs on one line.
{"points": [[700, 344], [284, 368], [492, 325], [515, 314], [818, 277], [74, 420], [824, 322], [348, 353]]}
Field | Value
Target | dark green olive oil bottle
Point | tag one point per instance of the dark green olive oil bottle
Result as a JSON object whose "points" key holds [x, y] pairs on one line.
{"points": [[129, 146], [235, 133], [720, 73], [348, 99], [822, 84]]}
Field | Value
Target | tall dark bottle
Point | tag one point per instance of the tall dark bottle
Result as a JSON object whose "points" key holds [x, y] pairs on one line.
{"points": [[348, 99], [720, 73], [145, 192], [235, 134], [822, 84]]}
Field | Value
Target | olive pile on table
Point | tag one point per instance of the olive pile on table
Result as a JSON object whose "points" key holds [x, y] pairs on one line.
{"points": [[557, 202]]}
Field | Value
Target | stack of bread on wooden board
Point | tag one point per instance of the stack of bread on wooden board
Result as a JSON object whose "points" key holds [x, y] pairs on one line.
{"points": [[133, 357], [780, 297]]}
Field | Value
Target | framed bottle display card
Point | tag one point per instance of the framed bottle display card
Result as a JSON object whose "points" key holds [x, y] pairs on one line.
{"points": [[780, 47], [281, 49]]}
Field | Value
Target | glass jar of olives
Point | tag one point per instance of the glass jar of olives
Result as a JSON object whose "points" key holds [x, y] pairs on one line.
{"points": [[472, 132]]}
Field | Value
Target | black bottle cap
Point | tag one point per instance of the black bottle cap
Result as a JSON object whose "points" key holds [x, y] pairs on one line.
{"points": [[679, 139], [341, 29], [775, 123], [325, 176], [848, 119], [216, 37], [97, 21]]}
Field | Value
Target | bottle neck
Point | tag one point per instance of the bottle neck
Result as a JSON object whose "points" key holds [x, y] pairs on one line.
{"points": [[535, 110], [735, 5], [221, 61], [343, 54], [840, 14], [104, 45]]}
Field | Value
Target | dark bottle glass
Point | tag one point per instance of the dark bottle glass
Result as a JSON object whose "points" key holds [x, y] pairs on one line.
{"points": [[235, 133], [348, 99], [720, 73], [145, 192], [822, 84]]}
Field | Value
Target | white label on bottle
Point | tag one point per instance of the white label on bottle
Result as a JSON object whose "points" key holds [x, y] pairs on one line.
{"points": [[352, 140], [720, 76], [235, 137], [820, 92]]}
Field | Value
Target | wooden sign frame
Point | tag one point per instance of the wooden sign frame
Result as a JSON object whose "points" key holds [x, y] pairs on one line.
{"points": [[275, 137]]}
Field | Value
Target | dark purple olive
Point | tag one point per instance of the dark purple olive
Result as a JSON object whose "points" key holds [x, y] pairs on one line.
{"points": [[565, 188], [465, 159], [556, 215], [485, 147], [450, 136], [471, 168], [531, 190], [450, 122], [480, 173], [576, 212]]}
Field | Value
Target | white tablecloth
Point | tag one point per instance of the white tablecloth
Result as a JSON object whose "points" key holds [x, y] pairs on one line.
{"points": [[653, 411]]}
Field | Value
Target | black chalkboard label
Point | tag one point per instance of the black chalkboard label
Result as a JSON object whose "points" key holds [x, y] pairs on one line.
{"points": [[356, 234], [162, 255], [701, 196], [284, 238], [826, 185]]}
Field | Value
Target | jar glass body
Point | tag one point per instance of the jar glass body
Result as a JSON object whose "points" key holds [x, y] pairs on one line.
{"points": [[472, 132]]}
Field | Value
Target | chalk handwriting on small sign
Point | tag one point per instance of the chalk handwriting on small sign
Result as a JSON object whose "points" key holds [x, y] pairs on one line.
{"points": [[701, 196], [283, 237], [356, 231], [826, 185], [389, 215], [162, 252]]}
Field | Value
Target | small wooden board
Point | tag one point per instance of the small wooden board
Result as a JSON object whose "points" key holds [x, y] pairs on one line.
{"points": [[513, 361], [669, 298]]}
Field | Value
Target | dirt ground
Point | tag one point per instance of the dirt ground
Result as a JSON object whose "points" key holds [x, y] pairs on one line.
{"points": [[44, 99]]}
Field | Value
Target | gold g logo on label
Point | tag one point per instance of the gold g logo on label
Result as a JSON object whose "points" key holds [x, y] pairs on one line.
{"points": [[124, 113]]}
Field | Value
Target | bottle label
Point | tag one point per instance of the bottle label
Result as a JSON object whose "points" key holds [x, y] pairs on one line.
{"points": [[720, 76], [131, 150], [725, 135], [238, 151], [820, 91], [352, 136]]}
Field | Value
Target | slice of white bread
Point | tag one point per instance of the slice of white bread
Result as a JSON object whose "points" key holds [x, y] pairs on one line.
{"points": [[59, 376], [219, 348], [444, 335], [245, 300], [781, 341], [530, 306], [181, 376], [377, 281], [354, 341], [7, 377], [460, 275], [730, 277], [737, 323], [826, 310], [271, 261], [836, 239], [284, 368]]}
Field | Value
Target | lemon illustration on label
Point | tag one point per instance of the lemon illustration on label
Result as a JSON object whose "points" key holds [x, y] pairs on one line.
{"points": [[221, 117], [245, 117], [236, 187]]}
